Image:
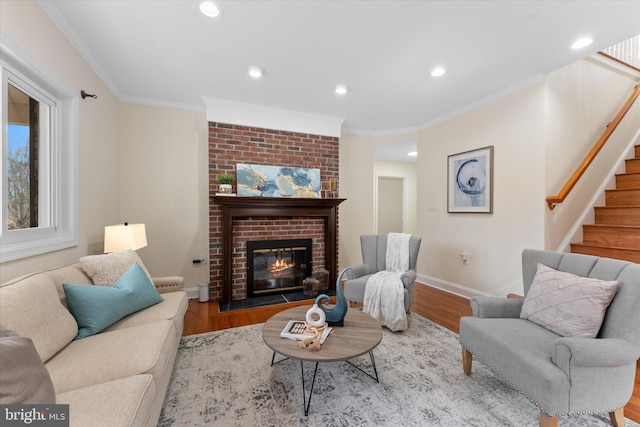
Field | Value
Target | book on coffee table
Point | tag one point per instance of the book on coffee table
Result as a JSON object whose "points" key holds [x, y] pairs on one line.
{"points": [[297, 330]]}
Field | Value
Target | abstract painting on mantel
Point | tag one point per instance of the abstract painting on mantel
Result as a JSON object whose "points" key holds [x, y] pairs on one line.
{"points": [[277, 181], [470, 181]]}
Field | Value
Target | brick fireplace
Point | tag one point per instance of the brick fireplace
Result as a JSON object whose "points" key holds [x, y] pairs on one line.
{"points": [[232, 144]]}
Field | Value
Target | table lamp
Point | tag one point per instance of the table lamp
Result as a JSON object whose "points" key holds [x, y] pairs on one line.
{"points": [[124, 236]]}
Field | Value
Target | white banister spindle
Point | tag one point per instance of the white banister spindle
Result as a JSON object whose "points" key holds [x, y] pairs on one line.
{"points": [[627, 51]]}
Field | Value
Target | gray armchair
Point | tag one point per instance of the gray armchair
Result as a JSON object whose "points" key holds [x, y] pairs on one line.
{"points": [[374, 251], [561, 375]]}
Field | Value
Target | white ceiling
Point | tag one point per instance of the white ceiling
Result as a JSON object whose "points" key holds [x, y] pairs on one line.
{"points": [[168, 53], [395, 151]]}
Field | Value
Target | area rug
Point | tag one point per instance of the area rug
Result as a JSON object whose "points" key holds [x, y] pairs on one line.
{"points": [[225, 378]]}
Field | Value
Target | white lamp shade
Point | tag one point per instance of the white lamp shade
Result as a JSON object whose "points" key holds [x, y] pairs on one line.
{"points": [[124, 236]]}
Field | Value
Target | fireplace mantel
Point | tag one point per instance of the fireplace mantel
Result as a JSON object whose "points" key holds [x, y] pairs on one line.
{"points": [[239, 207]]}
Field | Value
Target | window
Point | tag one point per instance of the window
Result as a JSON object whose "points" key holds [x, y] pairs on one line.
{"points": [[23, 186], [38, 167]]}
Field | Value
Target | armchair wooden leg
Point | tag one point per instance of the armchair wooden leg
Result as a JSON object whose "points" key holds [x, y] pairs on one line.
{"points": [[617, 417], [547, 420], [467, 358]]}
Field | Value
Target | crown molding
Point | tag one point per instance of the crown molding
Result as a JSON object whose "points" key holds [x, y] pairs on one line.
{"points": [[161, 103], [386, 132], [51, 10], [13, 56], [237, 113], [509, 90]]}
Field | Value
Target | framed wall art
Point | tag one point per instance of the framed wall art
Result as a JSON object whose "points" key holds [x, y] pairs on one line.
{"points": [[277, 181], [470, 181]]}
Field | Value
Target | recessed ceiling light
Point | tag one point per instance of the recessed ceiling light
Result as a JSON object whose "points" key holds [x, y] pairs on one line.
{"points": [[341, 89], [582, 42], [255, 71], [437, 72], [412, 153], [209, 9]]}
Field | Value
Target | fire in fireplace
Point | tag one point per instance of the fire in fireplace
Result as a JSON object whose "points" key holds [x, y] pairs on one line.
{"points": [[277, 266]]}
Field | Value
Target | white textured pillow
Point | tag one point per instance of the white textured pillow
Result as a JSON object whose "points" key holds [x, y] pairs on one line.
{"points": [[106, 269], [569, 305]]}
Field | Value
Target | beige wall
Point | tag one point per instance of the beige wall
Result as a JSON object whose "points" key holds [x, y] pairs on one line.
{"points": [[515, 127], [356, 185], [580, 100], [27, 26], [164, 183]]}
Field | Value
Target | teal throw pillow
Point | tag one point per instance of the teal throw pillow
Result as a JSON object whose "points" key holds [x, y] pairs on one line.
{"points": [[98, 307]]}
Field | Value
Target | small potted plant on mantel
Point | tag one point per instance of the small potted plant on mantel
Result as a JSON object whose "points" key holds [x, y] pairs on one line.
{"points": [[225, 181]]}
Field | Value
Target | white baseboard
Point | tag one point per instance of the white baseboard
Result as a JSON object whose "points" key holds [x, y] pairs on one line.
{"points": [[515, 287], [192, 293], [450, 287]]}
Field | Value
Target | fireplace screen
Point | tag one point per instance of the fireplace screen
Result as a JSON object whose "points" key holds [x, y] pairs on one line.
{"points": [[277, 266]]}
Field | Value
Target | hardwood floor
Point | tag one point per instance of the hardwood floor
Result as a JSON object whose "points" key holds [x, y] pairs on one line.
{"points": [[439, 306]]}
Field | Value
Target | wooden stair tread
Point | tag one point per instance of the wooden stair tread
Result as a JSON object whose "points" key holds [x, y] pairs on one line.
{"points": [[613, 225], [613, 235], [614, 215], [603, 246], [618, 207], [624, 254], [622, 197], [621, 190], [628, 181]]}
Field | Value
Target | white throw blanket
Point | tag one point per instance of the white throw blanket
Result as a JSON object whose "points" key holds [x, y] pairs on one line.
{"points": [[384, 293]]}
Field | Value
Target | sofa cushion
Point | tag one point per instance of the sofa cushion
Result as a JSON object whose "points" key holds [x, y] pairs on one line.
{"points": [[108, 356], [24, 378], [124, 402], [172, 308], [97, 307], [31, 308], [567, 304], [68, 274], [105, 269]]}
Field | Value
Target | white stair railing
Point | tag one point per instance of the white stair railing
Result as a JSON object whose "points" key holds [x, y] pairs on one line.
{"points": [[626, 51]]}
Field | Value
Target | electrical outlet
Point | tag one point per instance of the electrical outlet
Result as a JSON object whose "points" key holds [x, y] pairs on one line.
{"points": [[199, 259], [464, 257]]}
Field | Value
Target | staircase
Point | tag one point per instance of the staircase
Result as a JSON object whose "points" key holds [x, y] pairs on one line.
{"points": [[616, 232]]}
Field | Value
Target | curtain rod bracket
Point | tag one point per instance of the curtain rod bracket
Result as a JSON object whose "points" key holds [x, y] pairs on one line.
{"points": [[84, 94]]}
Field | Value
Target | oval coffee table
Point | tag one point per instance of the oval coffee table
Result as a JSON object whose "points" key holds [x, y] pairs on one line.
{"points": [[360, 334]]}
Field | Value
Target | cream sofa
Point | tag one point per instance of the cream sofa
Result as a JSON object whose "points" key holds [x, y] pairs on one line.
{"points": [[117, 377]]}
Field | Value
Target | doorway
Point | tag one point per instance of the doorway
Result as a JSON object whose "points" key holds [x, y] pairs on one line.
{"points": [[390, 204]]}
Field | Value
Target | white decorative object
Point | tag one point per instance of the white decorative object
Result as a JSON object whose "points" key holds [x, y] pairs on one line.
{"points": [[204, 292], [313, 312]]}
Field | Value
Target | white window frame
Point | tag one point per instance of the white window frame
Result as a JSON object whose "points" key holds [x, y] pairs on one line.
{"points": [[58, 209]]}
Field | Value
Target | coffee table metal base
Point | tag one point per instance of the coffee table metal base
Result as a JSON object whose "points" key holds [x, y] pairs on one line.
{"points": [[306, 401], [360, 334]]}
